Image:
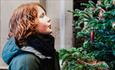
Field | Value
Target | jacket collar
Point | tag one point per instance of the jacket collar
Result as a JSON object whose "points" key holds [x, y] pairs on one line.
{"points": [[11, 50]]}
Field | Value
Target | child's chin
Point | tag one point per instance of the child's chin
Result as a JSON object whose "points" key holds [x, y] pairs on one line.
{"points": [[49, 31]]}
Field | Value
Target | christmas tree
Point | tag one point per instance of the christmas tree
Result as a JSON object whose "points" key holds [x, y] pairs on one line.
{"points": [[95, 29]]}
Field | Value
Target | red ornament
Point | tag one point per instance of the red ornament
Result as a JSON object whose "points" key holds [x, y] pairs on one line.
{"points": [[92, 36]]}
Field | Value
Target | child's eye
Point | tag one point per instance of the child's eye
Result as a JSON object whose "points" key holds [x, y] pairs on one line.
{"points": [[42, 15]]}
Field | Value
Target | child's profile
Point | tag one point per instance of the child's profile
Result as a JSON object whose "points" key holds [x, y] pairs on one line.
{"points": [[30, 45]]}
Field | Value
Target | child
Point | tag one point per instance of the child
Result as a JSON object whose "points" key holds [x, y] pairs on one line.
{"points": [[30, 45]]}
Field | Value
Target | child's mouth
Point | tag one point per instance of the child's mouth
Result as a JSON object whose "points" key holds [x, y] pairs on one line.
{"points": [[49, 26]]}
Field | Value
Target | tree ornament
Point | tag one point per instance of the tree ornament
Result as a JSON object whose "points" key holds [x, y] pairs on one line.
{"points": [[113, 25], [100, 15], [98, 2], [114, 2], [92, 36]]}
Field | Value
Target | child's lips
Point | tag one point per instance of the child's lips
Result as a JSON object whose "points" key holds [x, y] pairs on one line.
{"points": [[49, 26]]}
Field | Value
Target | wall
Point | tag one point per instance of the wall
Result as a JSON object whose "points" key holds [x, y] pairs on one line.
{"points": [[61, 21]]}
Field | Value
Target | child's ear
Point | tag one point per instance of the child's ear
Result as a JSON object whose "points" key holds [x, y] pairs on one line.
{"points": [[30, 17]]}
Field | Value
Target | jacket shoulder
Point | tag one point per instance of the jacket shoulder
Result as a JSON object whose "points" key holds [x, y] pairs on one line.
{"points": [[24, 62]]}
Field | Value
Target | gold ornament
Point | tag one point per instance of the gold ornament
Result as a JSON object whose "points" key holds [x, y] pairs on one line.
{"points": [[100, 14], [113, 25], [114, 2]]}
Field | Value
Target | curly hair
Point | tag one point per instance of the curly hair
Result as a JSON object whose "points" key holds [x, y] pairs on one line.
{"points": [[22, 23]]}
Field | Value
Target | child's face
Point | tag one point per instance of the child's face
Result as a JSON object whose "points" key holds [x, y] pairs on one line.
{"points": [[44, 22]]}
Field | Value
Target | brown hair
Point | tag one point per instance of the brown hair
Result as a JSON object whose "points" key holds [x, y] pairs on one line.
{"points": [[22, 21]]}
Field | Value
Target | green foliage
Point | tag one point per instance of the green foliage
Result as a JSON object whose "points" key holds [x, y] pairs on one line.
{"points": [[102, 48], [71, 60]]}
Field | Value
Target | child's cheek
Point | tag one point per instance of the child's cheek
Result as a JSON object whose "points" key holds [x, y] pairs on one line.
{"points": [[42, 28]]}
